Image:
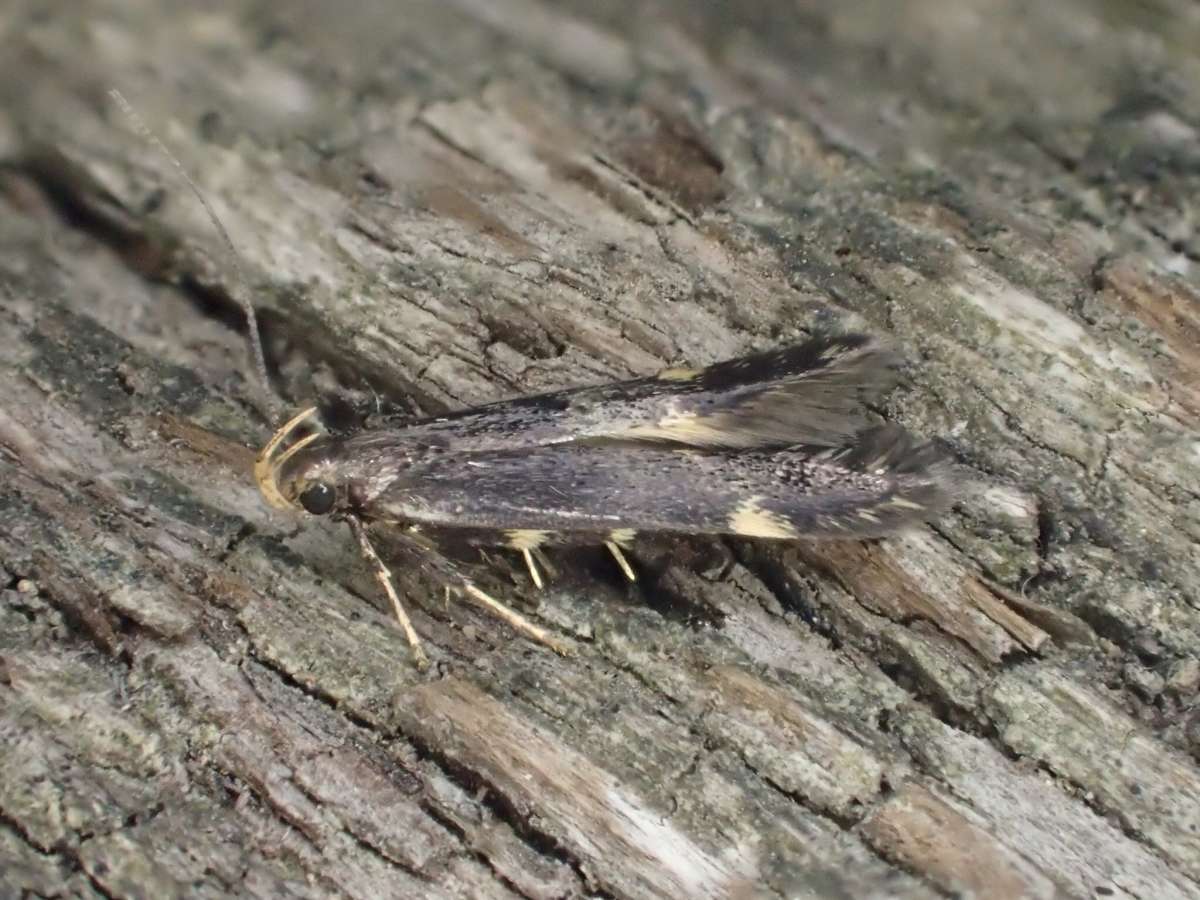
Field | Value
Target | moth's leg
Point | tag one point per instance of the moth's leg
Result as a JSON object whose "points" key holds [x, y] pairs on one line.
{"points": [[421, 545], [534, 557], [384, 577], [615, 550], [616, 539], [528, 541], [514, 618], [527, 553]]}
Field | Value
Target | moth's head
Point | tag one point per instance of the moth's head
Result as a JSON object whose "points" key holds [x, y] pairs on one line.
{"points": [[300, 475]]}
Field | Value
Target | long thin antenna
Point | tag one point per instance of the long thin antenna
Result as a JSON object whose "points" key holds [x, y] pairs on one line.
{"points": [[235, 259]]}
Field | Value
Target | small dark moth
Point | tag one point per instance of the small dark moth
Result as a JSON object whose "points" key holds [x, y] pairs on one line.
{"points": [[775, 446]]}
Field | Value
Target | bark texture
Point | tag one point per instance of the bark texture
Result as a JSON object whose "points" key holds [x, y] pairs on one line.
{"points": [[445, 203]]}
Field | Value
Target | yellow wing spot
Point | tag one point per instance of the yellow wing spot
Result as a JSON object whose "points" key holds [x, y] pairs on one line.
{"points": [[526, 538], [686, 427], [751, 520], [677, 374]]}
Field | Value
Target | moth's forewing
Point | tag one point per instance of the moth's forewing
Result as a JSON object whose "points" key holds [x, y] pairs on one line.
{"points": [[812, 394], [535, 493]]}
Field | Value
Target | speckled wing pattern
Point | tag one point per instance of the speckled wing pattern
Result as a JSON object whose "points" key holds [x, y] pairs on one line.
{"points": [[774, 445]]}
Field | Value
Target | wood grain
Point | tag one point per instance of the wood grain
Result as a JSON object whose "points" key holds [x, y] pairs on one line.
{"points": [[442, 204]]}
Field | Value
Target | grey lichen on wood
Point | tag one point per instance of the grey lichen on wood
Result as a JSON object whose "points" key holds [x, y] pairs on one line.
{"points": [[449, 203]]}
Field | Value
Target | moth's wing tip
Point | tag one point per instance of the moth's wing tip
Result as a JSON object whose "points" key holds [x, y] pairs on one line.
{"points": [[925, 480], [814, 393]]}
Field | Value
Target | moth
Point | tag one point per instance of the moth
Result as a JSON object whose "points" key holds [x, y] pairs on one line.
{"points": [[776, 445]]}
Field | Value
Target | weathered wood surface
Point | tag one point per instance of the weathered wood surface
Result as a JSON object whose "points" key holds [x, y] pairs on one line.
{"points": [[448, 203]]}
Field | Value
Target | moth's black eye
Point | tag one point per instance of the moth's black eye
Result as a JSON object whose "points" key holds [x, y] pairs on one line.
{"points": [[318, 498]]}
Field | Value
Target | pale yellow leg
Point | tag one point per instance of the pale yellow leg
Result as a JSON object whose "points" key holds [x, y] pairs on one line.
{"points": [[515, 619], [615, 550], [384, 577], [533, 569]]}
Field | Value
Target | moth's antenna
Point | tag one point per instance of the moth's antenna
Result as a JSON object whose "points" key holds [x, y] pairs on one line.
{"points": [[235, 259]]}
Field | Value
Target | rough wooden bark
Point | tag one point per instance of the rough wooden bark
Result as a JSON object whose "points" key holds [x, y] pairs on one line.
{"points": [[441, 204]]}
